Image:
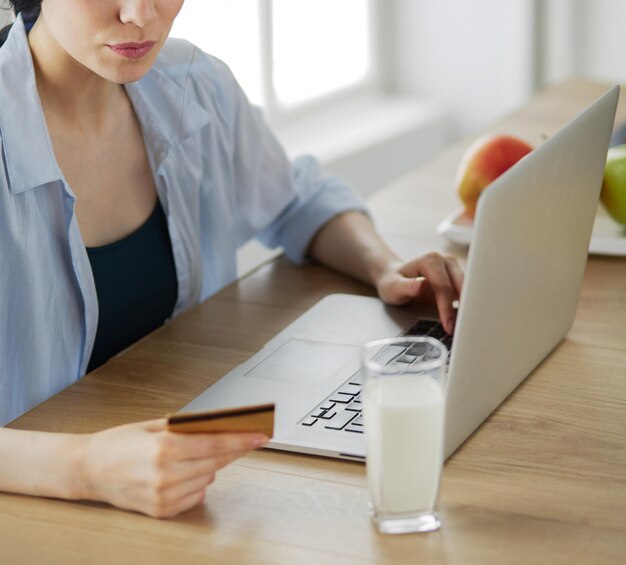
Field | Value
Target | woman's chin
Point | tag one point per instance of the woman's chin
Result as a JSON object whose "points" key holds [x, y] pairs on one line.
{"points": [[126, 75]]}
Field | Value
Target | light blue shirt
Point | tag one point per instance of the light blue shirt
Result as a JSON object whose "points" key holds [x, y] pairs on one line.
{"points": [[220, 174]]}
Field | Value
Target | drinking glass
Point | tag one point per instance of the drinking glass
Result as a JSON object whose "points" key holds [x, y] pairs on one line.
{"points": [[403, 410]]}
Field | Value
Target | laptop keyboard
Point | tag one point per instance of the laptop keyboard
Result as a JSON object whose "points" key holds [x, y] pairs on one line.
{"points": [[341, 410]]}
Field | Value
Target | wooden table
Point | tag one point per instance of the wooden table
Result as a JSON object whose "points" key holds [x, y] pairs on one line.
{"points": [[543, 480]]}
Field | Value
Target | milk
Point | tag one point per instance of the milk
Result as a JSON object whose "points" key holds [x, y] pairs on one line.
{"points": [[404, 418]]}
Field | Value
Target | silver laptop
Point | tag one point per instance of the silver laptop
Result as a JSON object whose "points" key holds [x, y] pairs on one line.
{"points": [[523, 279]]}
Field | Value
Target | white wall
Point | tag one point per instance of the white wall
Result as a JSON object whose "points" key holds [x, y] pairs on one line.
{"points": [[557, 37], [5, 15], [599, 40], [476, 57], [483, 58]]}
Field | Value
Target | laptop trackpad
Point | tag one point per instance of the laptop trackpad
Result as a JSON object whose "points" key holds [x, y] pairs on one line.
{"points": [[304, 361]]}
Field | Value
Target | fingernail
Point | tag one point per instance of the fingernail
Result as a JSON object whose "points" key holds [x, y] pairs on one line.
{"points": [[451, 324], [259, 441]]}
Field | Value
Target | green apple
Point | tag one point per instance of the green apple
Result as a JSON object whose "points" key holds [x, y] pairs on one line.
{"points": [[613, 194]]}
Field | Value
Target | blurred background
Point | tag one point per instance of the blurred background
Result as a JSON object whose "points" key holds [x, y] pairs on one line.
{"points": [[373, 88]]}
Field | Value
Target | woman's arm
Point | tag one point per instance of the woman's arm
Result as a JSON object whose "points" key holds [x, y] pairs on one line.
{"points": [[350, 244], [138, 466], [39, 463]]}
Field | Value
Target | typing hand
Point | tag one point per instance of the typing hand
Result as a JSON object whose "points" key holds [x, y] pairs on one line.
{"points": [[434, 276]]}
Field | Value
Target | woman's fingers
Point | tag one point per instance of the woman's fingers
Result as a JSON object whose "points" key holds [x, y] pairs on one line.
{"points": [[202, 446], [433, 274], [401, 289], [175, 488], [442, 286], [169, 502], [183, 504], [193, 468], [456, 274], [153, 470]]}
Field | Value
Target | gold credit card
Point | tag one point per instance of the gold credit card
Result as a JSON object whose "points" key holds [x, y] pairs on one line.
{"points": [[258, 418]]}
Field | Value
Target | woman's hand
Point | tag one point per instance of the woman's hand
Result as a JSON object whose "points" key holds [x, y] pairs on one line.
{"points": [[432, 276], [350, 244], [147, 468]]}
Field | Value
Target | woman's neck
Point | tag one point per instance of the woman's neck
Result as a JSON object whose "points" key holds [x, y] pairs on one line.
{"points": [[70, 91]]}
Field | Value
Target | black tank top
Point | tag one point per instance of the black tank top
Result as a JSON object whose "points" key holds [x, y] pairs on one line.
{"points": [[136, 286]]}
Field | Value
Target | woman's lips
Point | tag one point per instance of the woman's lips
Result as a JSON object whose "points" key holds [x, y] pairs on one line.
{"points": [[132, 50]]}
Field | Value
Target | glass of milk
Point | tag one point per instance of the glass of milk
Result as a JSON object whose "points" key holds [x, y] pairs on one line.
{"points": [[403, 410]]}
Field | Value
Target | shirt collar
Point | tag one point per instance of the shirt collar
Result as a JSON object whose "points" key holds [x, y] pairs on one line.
{"points": [[28, 152], [167, 112], [166, 108]]}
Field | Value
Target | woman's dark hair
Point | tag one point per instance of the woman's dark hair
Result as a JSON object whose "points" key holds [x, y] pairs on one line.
{"points": [[29, 8], [30, 12]]}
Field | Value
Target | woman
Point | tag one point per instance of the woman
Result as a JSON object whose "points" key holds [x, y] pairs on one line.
{"points": [[132, 169]]}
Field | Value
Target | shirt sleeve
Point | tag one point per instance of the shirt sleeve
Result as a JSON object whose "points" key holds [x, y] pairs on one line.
{"points": [[281, 203], [317, 199]]}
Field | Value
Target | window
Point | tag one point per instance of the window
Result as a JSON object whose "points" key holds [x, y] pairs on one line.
{"points": [[287, 54]]}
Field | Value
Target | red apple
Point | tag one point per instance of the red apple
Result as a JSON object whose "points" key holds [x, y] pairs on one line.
{"points": [[483, 162]]}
